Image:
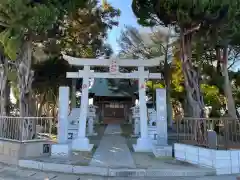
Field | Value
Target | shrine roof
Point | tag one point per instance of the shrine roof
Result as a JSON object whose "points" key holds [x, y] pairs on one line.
{"points": [[112, 88]]}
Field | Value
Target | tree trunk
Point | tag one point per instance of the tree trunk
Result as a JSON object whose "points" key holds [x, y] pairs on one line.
{"points": [[191, 78], [7, 98], [3, 82], [192, 86], [226, 85], [41, 104], [25, 78], [167, 79]]}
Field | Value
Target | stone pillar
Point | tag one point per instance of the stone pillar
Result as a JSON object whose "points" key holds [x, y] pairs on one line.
{"points": [[63, 115], [144, 143], [81, 143], [162, 138], [136, 118], [136, 126], [73, 94], [162, 148], [62, 148]]}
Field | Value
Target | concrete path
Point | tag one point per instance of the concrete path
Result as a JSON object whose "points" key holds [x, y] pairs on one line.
{"points": [[113, 129], [14, 173], [113, 150]]}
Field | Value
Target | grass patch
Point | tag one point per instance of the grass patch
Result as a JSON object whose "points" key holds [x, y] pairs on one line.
{"points": [[126, 130], [130, 141], [85, 157], [81, 164], [100, 128]]}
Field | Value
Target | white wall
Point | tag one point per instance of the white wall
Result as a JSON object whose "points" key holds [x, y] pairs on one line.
{"points": [[224, 161]]}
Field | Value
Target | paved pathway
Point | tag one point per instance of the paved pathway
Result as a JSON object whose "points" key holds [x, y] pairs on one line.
{"points": [[113, 150], [113, 129]]}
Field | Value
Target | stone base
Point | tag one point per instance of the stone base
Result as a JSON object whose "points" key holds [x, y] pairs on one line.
{"points": [[60, 150], [162, 140], [81, 144], [135, 135], [92, 134], [162, 151], [143, 145]]}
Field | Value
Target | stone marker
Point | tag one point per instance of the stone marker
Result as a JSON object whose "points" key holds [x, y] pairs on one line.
{"points": [[162, 148], [212, 139], [63, 115], [162, 136], [62, 148]]}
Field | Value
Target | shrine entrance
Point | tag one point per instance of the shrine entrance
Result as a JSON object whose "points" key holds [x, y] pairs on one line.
{"points": [[114, 98], [114, 109], [81, 143]]}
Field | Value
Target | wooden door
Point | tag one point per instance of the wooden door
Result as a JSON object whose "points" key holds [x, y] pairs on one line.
{"points": [[113, 111]]}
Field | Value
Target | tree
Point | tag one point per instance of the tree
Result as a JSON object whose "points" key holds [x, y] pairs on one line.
{"points": [[3, 82], [22, 21], [132, 44], [150, 45], [188, 17], [81, 34], [48, 76], [83, 31]]}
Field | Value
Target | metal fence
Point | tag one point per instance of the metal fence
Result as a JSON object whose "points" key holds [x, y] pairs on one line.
{"points": [[215, 133], [26, 128]]}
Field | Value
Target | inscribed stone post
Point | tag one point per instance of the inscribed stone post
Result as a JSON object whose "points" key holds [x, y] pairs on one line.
{"points": [[63, 114], [136, 116], [161, 117]]}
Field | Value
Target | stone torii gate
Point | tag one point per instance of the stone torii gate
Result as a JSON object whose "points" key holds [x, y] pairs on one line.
{"points": [[81, 143]]}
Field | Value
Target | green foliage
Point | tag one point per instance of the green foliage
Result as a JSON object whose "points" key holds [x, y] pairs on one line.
{"points": [[153, 86], [81, 33], [185, 13], [204, 26], [144, 11], [211, 95], [177, 75], [50, 74], [22, 20]]}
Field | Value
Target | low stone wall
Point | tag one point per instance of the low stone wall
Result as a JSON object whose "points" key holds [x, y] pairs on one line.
{"points": [[11, 151], [223, 161]]}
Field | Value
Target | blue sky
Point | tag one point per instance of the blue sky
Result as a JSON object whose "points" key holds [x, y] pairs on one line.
{"points": [[127, 18]]}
